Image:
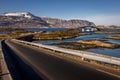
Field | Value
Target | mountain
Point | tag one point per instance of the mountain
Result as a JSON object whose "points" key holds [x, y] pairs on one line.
{"points": [[26, 19], [54, 22], [21, 19]]}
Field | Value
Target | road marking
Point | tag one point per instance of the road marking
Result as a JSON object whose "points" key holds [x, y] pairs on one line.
{"points": [[108, 73]]}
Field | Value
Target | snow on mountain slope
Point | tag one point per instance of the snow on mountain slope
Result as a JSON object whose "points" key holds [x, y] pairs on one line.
{"points": [[20, 14]]}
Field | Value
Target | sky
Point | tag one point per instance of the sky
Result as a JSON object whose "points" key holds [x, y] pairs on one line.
{"points": [[101, 12]]}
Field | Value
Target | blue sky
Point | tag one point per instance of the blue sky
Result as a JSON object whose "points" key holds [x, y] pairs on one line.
{"points": [[101, 12]]}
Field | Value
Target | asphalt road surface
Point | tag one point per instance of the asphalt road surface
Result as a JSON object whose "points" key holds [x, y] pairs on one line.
{"points": [[38, 65]]}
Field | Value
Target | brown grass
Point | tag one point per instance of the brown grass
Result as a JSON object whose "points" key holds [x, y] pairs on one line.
{"points": [[114, 37]]}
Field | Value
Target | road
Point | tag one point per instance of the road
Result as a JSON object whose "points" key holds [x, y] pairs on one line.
{"points": [[34, 64]]}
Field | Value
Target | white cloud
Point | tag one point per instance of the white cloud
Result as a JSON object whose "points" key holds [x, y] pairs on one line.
{"points": [[105, 19]]}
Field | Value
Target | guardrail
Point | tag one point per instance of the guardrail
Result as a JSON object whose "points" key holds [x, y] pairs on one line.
{"points": [[83, 54]]}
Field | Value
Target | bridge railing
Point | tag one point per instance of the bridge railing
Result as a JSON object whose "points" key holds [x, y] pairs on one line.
{"points": [[83, 54]]}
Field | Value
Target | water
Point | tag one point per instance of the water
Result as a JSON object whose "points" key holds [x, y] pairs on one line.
{"points": [[114, 41], [85, 37], [105, 51], [115, 30], [45, 29], [8, 32], [4, 32]]}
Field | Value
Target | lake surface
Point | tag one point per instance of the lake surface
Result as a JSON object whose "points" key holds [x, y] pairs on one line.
{"points": [[45, 29], [85, 37], [105, 51]]}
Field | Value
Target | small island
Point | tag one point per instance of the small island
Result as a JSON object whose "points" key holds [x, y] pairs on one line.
{"points": [[41, 35], [16, 34], [114, 37], [106, 32], [57, 35], [88, 44]]}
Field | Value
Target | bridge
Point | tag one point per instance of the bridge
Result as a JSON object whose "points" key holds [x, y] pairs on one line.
{"points": [[26, 62]]}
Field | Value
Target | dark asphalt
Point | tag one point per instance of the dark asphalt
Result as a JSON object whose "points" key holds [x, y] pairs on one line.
{"points": [[52, 68], [19, 70]]}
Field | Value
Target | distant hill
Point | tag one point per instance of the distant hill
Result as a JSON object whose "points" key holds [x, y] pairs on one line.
{"points": [[26, 19], [54, 22]]}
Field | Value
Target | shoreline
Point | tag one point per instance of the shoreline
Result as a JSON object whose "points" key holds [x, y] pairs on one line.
{"points": [[113, 37]]}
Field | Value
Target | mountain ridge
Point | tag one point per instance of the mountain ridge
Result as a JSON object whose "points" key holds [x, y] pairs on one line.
{"points": [[26, 19], [67, 23]]}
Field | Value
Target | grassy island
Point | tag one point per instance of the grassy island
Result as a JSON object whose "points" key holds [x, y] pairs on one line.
{"points": [[57, 35], [87, 44], [15, 34], [10, 29], [106, 32], [114, 37], [53, 35]]}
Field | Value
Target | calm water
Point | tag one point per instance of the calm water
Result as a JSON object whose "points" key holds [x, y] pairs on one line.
{"points": [[105, 51], [45, 29], [85, 37]]}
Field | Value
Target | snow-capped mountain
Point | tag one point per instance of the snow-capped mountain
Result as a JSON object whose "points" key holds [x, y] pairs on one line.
{"points": [[21, 19], [26, 19], [19, 14]]}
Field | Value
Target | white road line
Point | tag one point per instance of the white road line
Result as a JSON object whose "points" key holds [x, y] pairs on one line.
{"points": [[108, 73]]}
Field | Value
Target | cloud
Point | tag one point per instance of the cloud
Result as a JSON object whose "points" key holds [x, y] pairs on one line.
{"points": [[105, 19]]}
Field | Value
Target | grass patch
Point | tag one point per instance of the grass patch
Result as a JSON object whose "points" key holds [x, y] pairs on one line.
{"points": [[88, 44], [114, 37], [63, 34]]}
